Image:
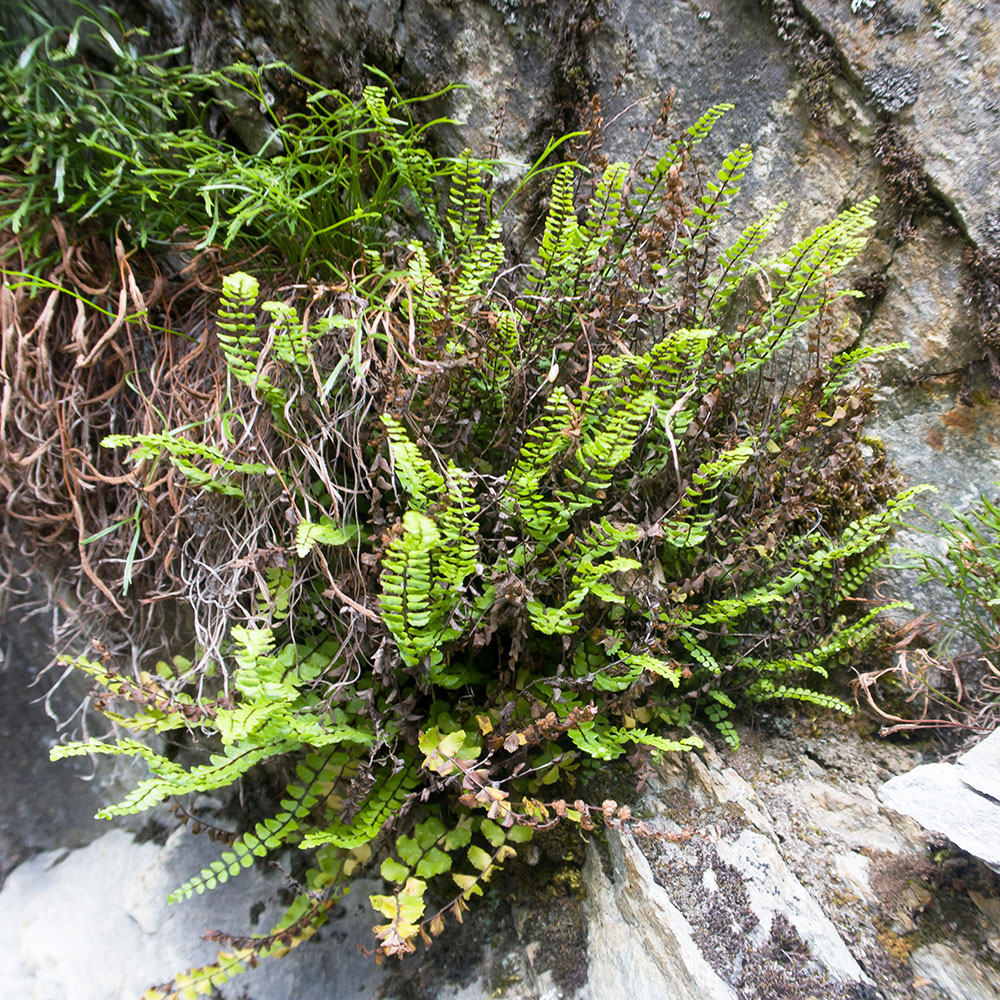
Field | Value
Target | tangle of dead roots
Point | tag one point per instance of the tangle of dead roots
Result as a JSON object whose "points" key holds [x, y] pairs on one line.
{"points": [[107, 341]]}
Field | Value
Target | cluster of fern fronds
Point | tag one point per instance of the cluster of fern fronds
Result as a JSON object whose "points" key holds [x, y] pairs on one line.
{"points": [[450, 525]]}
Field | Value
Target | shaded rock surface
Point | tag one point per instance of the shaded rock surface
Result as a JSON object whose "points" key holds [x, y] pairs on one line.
{"points": [[93, 924], [42, 806], [934, 65], [746, 876]]}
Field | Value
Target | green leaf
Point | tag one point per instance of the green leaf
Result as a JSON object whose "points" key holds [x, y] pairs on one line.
{"points": [[479, 859], [308, 535], [493, 833], [393, 871], [435, 863]]}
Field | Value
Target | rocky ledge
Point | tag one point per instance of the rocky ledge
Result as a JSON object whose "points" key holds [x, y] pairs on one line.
{"points": [[772, 872]]}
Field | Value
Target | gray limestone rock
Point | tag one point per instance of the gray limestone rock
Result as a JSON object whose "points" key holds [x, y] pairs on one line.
{"points": [[981, 767], [955, 973], [957, 800], [935, 438], [640, 944], [936, 66], [94, 924], [45, 805], [924, 306], [774, 890]]}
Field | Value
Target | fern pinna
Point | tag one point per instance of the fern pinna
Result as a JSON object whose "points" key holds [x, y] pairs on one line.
{"points": [[593, 515]]}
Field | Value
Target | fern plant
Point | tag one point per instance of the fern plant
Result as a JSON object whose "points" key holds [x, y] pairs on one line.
{"points": [[583, 518]]}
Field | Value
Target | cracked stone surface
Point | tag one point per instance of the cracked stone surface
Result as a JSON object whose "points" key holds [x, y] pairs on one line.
{"points": [[960, 800], [935, 66], [44, 806]]}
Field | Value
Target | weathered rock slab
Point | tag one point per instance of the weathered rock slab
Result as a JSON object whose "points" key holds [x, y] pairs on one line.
{"points": [[952, 972], [640, 944], [961, 800], [94, 924], [773, 890], [935, 65]]}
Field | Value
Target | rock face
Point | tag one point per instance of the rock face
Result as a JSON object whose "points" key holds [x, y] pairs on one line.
{"points": [[797, 881], [935, 67], [814, 81], [640, 943], [68, 938], [43, 807], [952, 971], [772, 872]]}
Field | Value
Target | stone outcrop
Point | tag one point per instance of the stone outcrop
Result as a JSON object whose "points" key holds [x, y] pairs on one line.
{"points": [[934, 66], [771, 872], [960, 800], [815, 83], [68, 936]]}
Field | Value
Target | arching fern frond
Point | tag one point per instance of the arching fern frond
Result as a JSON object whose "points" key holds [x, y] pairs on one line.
{"points": [[465, 198], [390, 790], [416, 475], [237, 326], [318, 775]]}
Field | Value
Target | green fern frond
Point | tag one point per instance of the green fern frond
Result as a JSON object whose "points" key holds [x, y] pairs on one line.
{"points": [[181, 452], [561, 240], [409, 608], [599, 742], [415, 165], [722, 191], [317, 775], [237, 326], [604, 211], [415, 473], [644, 738], [645, 200], [554, 274], [609, 439], [767, 690], [702, 128], [841, 367], [699, 654], [426, 289], [458, 556], [223, 770], [691, 525], [544, 518], [736, 261], [803, 270], [717, 709], [843, 639], [465, 198], [290, 340], [390, 791], [309, 534], [477, 265], [159, 764]]}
